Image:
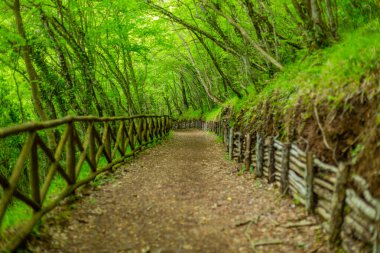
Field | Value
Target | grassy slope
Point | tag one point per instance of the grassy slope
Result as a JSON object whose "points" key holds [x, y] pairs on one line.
{"points": [[341, 85], [333, 73]]}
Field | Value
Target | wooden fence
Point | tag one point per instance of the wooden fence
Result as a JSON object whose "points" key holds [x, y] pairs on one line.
{"points": [[347, 210], [110, 139]]}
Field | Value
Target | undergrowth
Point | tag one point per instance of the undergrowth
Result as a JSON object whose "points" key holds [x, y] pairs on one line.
{"points": [[332, 73]]}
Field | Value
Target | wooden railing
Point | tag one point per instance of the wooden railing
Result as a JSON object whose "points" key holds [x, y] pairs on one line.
{"points": [[80, 140], [348, 212]]}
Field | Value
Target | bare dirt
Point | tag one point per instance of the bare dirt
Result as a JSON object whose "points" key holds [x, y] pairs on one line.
{"points": [[182, 196]]}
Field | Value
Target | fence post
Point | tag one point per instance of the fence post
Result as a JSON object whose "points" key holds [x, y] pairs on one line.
{"points": [[34, 175], [231, 143], [70, 153], [226, 134], [92, 148], [376, 243], [309, 180], [285, 169], [271, 158], [337, 204], [247, 156], [240, 147], [259, 155]]}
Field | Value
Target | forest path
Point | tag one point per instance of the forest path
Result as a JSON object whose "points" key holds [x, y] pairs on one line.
{"points": [[183, 196]]}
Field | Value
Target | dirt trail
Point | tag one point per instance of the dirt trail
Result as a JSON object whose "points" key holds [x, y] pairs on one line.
{"points": [[183, 196]]}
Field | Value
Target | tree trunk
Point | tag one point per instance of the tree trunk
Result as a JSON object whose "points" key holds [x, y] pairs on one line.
{"points": [[34, 79], [65, 73], [183, 91], [26, 54], [245, 34], [226, 80]]}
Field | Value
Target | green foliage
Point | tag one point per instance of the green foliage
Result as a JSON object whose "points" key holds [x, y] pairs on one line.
{"points": [[16, 213], [257, 183], [327, 70], [191, 114], [235, 103], [242, 170], [355, 13], [356, 152], [125, 57], [297, 200], [170, 135], [219, 139], [332, 72], [213, 115]]}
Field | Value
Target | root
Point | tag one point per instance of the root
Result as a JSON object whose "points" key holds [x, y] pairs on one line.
{"points": [[323, 133]]}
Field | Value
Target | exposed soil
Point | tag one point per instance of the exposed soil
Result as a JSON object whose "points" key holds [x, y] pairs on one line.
{"points": [[347, 131], [183, 196]]}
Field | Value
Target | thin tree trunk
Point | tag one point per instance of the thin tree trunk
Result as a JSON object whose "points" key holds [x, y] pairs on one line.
{"points": [[26, 54], [133, 78], [35, 80], [331, 17], [120, 77], [226, 80], [183, 91], [245, 34], [63, 64], [199, 74]]}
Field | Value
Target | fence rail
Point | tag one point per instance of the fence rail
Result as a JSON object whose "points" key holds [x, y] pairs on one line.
{"points": [[347, 210], [110, 139]]}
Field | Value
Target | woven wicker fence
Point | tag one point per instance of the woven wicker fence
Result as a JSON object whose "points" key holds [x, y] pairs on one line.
{"points": [[347, 210]]}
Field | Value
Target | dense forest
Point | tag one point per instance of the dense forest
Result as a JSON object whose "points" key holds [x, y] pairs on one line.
{"points": [[181, 58], [166, 57], [195, 59]]}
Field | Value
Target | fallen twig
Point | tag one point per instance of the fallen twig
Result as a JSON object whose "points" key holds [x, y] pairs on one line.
{"points": [[300, 224], [243, 223], [315, 249], [268, 242], [252, 221]]}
